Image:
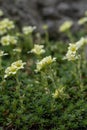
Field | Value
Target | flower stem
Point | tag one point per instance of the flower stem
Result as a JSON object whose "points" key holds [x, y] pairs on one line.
{"points": [[70, 36], [0, 63], [18, 85], [52, 76], [80, 74]]}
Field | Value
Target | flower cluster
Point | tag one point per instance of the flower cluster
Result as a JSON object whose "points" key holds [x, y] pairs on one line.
{"points": [[44, 62], [65, 26], [38, 49], [6, 25], [73, 48], [28, 29], [7, 40], [15, 66]]}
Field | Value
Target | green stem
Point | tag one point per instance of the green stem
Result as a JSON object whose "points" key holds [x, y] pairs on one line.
{"points": [[44, 79], [47, 39], [18, 85], [70, 36], [0, 63], [80, 74], [52, 77], [18, 92]]}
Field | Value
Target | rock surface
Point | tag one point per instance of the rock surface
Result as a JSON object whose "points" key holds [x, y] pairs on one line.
{"points": [[40, 12]]}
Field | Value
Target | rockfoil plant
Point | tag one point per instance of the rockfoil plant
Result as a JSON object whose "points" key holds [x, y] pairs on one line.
{"points": [[47, 93]]}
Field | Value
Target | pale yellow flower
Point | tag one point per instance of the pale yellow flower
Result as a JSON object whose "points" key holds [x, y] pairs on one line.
{"points": [[17, 50], [38, 49], [71, 53], [15, 66], [12, 70], [65, 26], [70, 56], [44, 62], [3, 30], [28, 29], [7, 40], [13, 40], [2, 53], [86, 13], [45, 27], [19, 64], [81, 42], [6, 25], [82, 21], [58, 93], [72, 48], [9, 24], [55, 94], [1, 13]]}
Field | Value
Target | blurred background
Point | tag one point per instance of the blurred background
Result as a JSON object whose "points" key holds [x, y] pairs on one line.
{"points": [[44, 12]]}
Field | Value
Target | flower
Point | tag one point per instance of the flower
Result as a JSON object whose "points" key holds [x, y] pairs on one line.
{"points": [[45, 27], [58, 93], [2, 53], [3, 30], [70, 56], [6, 25], [13, 40], [38, 49], [86, 13], [19, 64], [15, 66], [12, 70], [72, 48], [44, 62], [65, 26], [28, 29], [17, 50], [7, 40], [55, 94], [82, 21], [9, 24], [1, 13], [71, 53], [81, 42]]}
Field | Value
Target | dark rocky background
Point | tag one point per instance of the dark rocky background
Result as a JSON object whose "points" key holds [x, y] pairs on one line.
{"points": [[40, 12]]}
